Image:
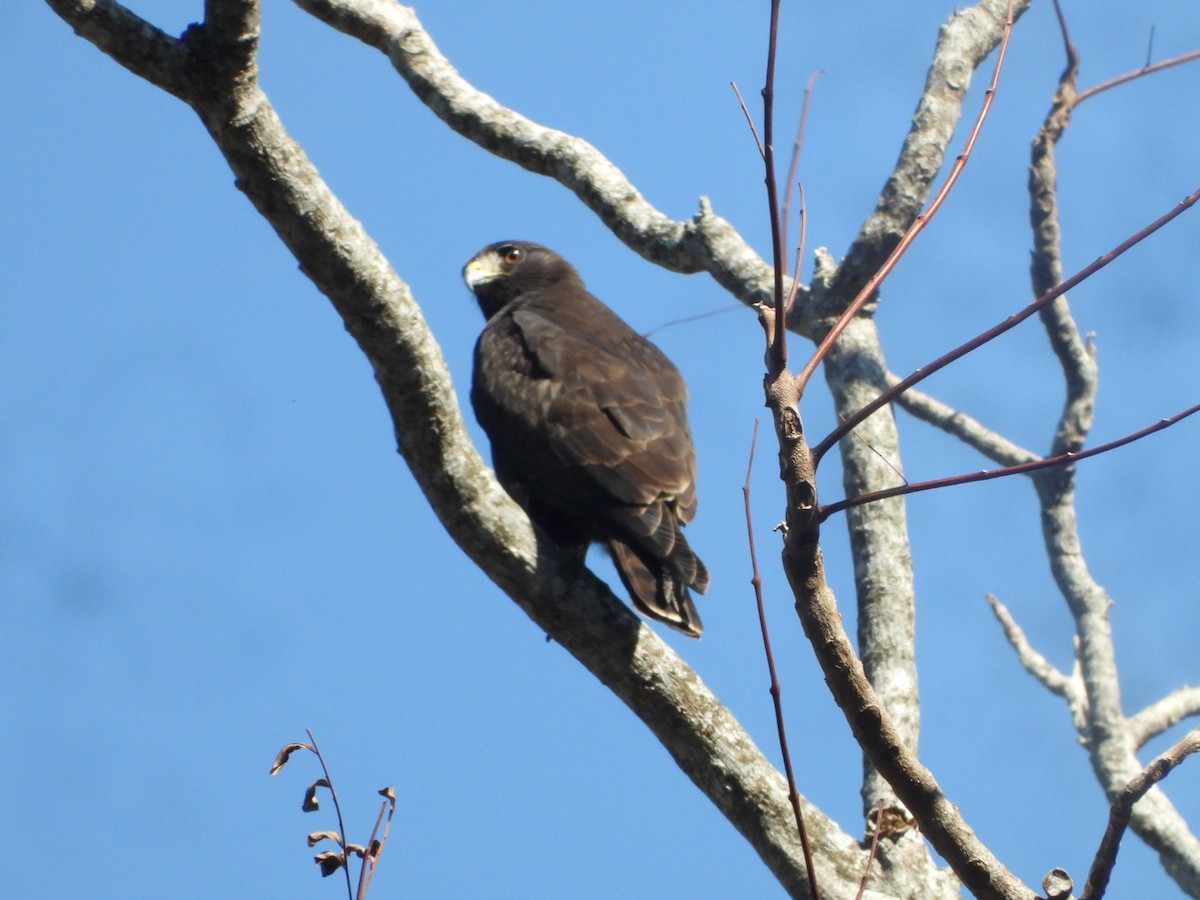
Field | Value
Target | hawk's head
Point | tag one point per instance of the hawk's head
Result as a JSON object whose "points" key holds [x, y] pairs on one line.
{"points": [[501, 272]]}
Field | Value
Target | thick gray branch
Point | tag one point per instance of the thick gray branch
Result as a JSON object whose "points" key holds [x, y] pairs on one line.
{"points": [[380, 313], [1105, 732], [856, 372], [707, 243], [132, 41]]}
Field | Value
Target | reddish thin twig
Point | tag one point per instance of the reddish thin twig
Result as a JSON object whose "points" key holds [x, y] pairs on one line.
{"points": [[790, 181], [1072, 52], [1137, 73], [778, 350], [776, 692], [918, 224], [1012, 321], [862, 885], [371, 857], [791, 298], [1019, 469]]}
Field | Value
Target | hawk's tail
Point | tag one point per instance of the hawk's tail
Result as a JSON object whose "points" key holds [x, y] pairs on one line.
{"points": [[661, 593]]}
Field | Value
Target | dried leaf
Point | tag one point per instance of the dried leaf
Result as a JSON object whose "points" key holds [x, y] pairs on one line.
{"points": [[389, 792], [310, 803], [329, 861], [356, 849], [281, 757], [317, 836], [376, 846]]}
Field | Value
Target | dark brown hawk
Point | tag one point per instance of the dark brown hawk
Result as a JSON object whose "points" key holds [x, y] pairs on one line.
{"points": [[588, 425]]}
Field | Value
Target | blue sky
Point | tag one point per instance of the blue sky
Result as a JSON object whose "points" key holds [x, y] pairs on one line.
{"points": [[208, 542]]}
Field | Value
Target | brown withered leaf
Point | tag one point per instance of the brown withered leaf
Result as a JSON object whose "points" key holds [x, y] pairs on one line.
{"points": [[356, 849], [317, 836], [281, 757], [329, 861], [310, 803], [389, 793]]}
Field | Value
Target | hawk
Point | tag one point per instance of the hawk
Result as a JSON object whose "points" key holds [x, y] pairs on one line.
{"points": [[588, 425]]}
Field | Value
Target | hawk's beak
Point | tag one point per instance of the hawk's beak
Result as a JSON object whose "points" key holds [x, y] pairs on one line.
{"points": [[481, 270]]}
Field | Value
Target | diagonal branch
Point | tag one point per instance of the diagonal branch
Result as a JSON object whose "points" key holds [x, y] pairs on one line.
{"points": [[144, 50], [1122, 811], [970, 431], [888, 396], [1069, 687], [1062, 460], [380, 313], [914, 229], [705, 243], [963, 43], [1182, 703]]}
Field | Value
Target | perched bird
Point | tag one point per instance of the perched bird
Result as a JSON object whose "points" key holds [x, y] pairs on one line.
{"points": [[588, 425]]}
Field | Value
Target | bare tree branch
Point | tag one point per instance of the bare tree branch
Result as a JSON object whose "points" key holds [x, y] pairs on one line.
{"points": [[776, 691], [1069, 687], [706, 243], [1138, 73], [1182, 703], [1104, 730], [855, 373], [1122, 810], [914, 228], [970, 431], [873, 727], [963, 43], [1062, 460], [1046, 271], [982, 874], [133, 42], [567, 602]]}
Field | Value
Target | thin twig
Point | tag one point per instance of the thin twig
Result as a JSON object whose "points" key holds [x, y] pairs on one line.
{"points": [[776, 693], [1122, 811], [749, 118], [371, 857], [918, 225], [957, 424], [796, 269], [368, 861], [1137, 73], [790, 181], [1033, 661], [1011, 322], [337, 808], [862, 885], [1019, 469], [685, 320], [778, 349]]}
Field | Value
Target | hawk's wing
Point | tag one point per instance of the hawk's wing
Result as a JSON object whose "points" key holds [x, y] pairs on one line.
{"points": [[586, 408], [588, 424]]}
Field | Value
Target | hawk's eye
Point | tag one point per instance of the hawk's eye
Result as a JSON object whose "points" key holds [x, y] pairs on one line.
{"points": [[511, 255]]}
